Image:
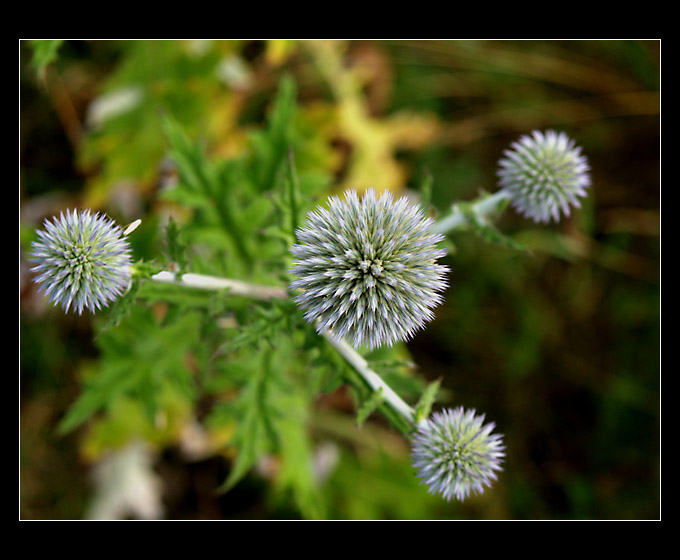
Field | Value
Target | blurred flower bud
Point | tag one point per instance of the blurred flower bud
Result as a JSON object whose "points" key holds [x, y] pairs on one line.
{"points": [[544, 175]]}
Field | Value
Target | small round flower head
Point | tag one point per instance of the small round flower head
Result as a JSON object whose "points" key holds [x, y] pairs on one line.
{"points": [[367, 268], [83, 260], [455, 453], [544, 174]]}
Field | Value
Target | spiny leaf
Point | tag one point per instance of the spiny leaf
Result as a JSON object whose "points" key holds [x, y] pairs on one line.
{"points": [[188, 157], [271, 146], [199, 177], [120, 308], [175, 249], [270, 321], [255, 411], [369, 406], [137, 358], [490, 233], [295, 448], [422, 409]]}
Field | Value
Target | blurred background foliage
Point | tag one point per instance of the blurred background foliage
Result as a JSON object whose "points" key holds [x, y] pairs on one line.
{"points": [[560, 347]]}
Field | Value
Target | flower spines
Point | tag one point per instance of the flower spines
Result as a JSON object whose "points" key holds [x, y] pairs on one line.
{"points": [[367, 268], [544, 174], [83, 260], [456, 454]]}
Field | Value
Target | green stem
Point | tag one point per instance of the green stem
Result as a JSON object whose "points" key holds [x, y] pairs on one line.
{"points": [[482, 207]]}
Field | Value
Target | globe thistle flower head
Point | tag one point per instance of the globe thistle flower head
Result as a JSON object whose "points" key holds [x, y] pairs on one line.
{"points": [[456, 454], [366, 268], [544, 174], [83, 260]]}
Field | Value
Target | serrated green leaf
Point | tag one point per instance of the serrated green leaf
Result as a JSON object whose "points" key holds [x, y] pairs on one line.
{"points": [[138, 357], [271, 147], [295, 448], [188, 157], [111, 381], [254, 435]]}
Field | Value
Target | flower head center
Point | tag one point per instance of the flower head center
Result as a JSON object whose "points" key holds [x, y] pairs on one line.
{"points": [[372, 267], [79, 257]]}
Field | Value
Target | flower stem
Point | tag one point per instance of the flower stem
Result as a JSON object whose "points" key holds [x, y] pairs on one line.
{"points": [[373, 379], [482, 207], [236, 287]]}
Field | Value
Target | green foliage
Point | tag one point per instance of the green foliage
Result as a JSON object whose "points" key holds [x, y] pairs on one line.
{"points": [[140, 358], [271, 418], [126, 141], [483, 227], [261, 364], [267, 322], [271, 146], [45, 52], [369, 406], [207, 188], [426, 401], [175, 249], [263, 184]]}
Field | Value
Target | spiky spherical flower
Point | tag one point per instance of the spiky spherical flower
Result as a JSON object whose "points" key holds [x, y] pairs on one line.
{"points": [[544, 175], [455, 453], [83, 260], [367, 268]]}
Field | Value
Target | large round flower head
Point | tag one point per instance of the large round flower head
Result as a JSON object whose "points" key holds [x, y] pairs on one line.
{"points": [[83, 260], [455, 453], [367, 268], [544, 175]]}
